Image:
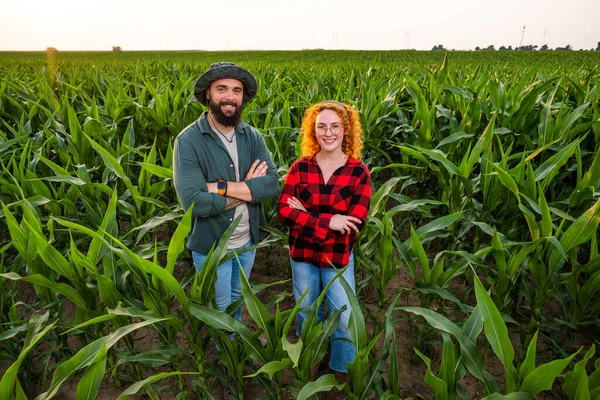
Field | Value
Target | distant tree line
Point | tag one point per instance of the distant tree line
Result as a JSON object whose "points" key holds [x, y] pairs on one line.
{"points": [[528, 47]]}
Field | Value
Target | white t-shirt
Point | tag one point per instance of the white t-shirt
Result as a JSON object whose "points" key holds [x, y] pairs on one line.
{"points": [[242, 234]]}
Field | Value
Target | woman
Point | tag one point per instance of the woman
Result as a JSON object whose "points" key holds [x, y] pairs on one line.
{"points": [[325, 202]]}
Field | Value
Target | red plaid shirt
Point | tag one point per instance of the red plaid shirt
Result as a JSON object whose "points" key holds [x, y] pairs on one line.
{"points": [[348, 192]]}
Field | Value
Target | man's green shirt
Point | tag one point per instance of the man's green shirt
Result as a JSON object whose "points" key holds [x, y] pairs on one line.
{"points": [[199, 156]]}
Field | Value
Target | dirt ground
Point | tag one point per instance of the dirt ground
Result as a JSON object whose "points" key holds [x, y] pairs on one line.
{"points": [[272, 265]]}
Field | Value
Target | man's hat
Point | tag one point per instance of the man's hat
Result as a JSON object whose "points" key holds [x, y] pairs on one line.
{"points": [[224, 70]]}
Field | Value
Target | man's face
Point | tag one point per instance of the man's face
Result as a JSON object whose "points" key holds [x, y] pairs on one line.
{"points": [[225, 98]]}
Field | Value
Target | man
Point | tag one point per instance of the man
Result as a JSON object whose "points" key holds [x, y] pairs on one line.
{"points": [[224, 168]]}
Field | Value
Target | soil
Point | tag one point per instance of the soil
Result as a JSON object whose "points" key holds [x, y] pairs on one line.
{"points": [[272, 265]]}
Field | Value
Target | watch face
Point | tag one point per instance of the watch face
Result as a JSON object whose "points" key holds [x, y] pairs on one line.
{"points": [[221, 186]]}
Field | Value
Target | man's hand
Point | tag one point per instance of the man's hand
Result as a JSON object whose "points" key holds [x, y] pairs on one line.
{"points": [[240, 190], [295, 204], [344, 224], [257, 169]]}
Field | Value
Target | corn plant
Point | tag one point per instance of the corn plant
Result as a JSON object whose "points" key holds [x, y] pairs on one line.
{"points": [[479, 159], [279, 353], [525, 382], [36, 328], [578, 385]]}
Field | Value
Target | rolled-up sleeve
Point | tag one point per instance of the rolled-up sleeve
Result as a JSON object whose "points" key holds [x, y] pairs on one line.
{"points": [[190, 183], [362, 198]]}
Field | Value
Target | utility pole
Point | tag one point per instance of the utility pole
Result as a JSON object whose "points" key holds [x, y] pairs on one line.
{"points": [[544, 37], [522, 34]]}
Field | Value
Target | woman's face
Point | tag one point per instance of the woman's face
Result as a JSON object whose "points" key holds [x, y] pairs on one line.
{"points": [[330, 131]]}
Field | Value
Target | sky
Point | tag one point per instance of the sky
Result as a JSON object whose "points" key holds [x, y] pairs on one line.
{"points": [[296, 25]]}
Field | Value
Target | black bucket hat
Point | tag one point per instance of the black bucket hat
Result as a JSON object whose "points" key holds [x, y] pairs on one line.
{"points": [[224, 70]]}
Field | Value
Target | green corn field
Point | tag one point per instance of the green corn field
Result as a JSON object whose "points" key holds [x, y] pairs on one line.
{"points": [[478, 271]]}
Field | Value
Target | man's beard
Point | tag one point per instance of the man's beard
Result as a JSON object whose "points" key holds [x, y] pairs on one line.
{"points": [[232, 120]]}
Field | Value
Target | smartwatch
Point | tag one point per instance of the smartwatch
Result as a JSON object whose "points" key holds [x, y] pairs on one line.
{"points": [[221, 187]]}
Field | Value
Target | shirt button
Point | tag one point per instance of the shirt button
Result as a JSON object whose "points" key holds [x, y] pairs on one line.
{"points": [[230, 219], [231, 165]]}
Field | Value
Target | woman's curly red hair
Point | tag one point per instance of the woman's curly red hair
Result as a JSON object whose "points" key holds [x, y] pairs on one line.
{"points": [[353, 134]]}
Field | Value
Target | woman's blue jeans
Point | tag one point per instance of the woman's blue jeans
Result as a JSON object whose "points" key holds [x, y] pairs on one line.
{"points": [[229, 285], [307, 276]]}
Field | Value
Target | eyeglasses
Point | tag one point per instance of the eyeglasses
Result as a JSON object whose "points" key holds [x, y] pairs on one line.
{"points": [[334, 129]]}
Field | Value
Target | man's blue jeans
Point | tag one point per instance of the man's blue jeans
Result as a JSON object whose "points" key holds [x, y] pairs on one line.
{"points": [[307, 276], [229, 286]]}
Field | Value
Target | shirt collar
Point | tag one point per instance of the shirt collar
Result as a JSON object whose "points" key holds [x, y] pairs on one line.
{"points": [[350, 160]]}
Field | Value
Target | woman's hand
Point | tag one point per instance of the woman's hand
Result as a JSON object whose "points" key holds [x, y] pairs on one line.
{"points": [[344, 224], [295, 204]]}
